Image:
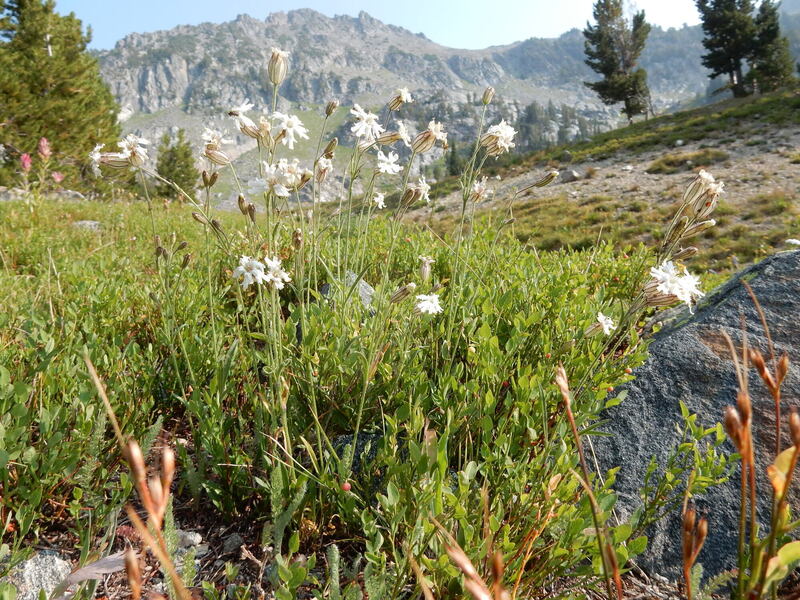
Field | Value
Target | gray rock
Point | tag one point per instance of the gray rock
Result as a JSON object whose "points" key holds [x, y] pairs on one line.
{"points": [[569, 176], [689, 361], [566, 156], [365, 290], [42, 572], [232, 543], [68, 195], [88, 225], [187, 539]]}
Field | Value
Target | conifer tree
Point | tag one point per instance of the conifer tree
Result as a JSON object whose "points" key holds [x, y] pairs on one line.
{"points": [[730, 32], [176, 163], [51, 87], [612, 47], [772, 59]]}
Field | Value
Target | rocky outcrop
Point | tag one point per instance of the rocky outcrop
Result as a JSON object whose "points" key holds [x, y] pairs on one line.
{"points": [[689, 361]]}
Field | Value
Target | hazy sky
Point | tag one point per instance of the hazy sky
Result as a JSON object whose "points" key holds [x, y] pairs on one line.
{"points": [[456, 23]]}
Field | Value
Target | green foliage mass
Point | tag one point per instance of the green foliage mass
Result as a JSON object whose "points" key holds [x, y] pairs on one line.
{"points": [[176, 163], [51, 87], [612, 48]]}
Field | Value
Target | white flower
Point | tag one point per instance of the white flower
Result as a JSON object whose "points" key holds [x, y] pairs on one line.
{"points": [[387, 163], [213, 137], [133, 147], [292, 128], [366, 125], [244, 123], [402, 131], [669, 282], [793, 242], [437, 129], [95, 156], [249, 271], [324, 166], [428, 304], [606, 323], [404, 95], [498, 138], [273, 181], [480, 190], [290, 172], [244, 107], [378, 200], [423, 188], [275, 275]]}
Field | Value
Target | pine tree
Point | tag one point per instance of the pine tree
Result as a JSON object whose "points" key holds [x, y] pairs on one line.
{"points": [[51, 87], [455, 163], [730, 32], [176, 163], [772, 59], [612, 47]]}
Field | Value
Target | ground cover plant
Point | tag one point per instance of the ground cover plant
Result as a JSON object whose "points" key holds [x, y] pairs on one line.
{"points": [[381, 401]]}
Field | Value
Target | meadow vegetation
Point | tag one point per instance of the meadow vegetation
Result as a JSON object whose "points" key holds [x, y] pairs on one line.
{"points": [[395, 412]]}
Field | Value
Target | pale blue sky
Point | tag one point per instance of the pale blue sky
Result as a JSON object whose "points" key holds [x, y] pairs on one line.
{"points": [[456, 23]]}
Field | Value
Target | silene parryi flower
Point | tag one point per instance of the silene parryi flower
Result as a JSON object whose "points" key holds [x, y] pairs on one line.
{"points": [[480, 190], [428, 304], [281, 178], [603, 323], [378, 200], [423, 189], [402, 96], [252, 271], [668, 286], [244, 123], [387, 163], [132, 154], [426, 262], [426, 139], [324, 166], [288, 129], [212, 148], [498, 138], [366, 128]]}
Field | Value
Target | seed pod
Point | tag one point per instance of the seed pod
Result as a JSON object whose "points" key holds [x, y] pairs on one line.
{"points": [[213, 179], [206, 180], [251, 212], [794, 428], [488, 94], [278, 66], [331, 107], [744, 407], [186, 258], [216, 225], [199, 218], [733, 426], [390, 137], [161, 252], [242, 204], [783, 368], [698, 228], [423, 142], [181, 246], [297, 239], [403, 292]]}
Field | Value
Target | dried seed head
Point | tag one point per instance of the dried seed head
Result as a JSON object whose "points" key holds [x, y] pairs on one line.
{"points": [[278, 66], [783, 368], [488, 94], [685, 253], [242, 204], [167, 468], [199, 218], [136, 461], [563, 383], [758, 362], [744, 407], [733, 426], [156, 492], [331, 107], [794, 428], [133, 572]]}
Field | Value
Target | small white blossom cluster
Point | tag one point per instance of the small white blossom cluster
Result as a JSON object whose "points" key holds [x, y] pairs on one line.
{"points": [[252, 271], [603, 323], [668, 285], [498, 139], [281, 178], [132, 154], [428, 304]]}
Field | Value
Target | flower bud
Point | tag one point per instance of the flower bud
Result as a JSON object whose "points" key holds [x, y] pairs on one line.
{"points": [[199, 218], [278, 66], [685, 253], [488, 94], [297, 239], [251, 212], [425, 267], [135, 459], [423, 142], [206, 181], [403, 292], [328, 152], [181, 246], [216, 225], [331, 107], [186, 259], [783, 368], [242, 204]]}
